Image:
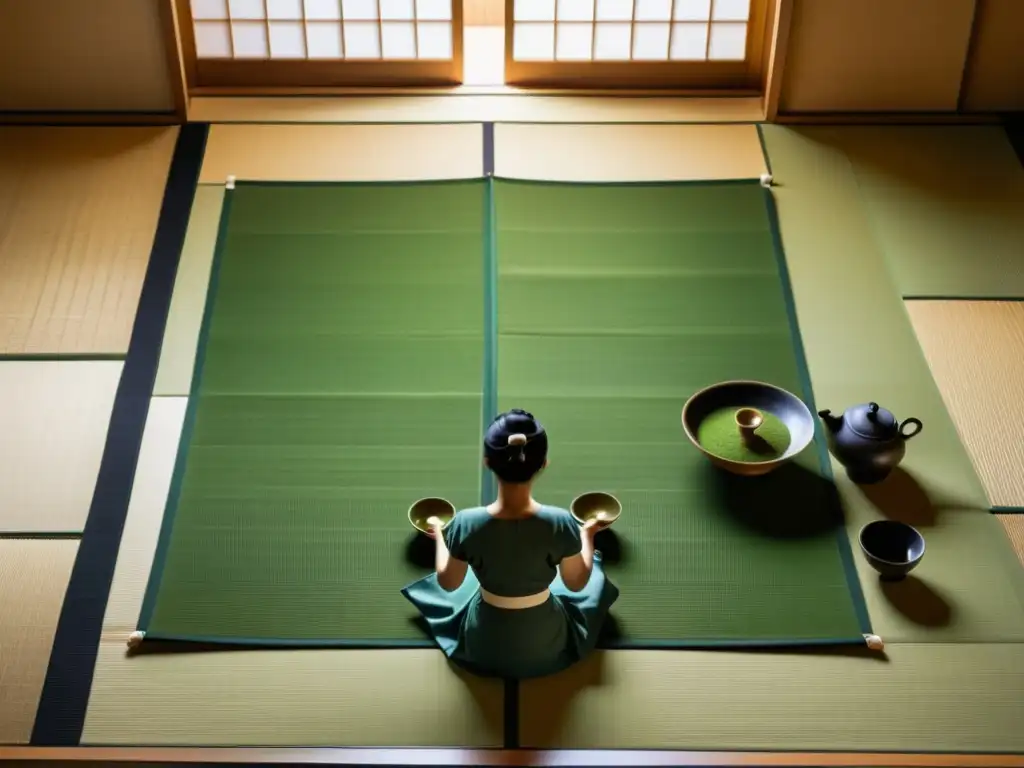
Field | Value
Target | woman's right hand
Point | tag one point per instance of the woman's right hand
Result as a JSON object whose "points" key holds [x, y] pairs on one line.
{"points": [[435, 528], [593, 526]]}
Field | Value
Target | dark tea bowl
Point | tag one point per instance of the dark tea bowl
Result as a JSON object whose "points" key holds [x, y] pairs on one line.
{"points": [[893, 549]]}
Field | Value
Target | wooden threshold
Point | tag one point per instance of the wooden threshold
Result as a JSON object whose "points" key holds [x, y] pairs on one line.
{"points": [[467, 90], [502, 757], [476, 108]]}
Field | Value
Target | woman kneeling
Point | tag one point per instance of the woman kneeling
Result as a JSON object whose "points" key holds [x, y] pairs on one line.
{"points": [[519, 590]]}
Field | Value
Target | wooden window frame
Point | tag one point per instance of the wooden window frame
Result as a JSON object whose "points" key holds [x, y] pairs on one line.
{"points": [[745, 77], [252, 75]]}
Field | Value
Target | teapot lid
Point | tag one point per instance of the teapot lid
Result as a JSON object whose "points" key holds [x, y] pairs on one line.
{"points": [[872, 421]]}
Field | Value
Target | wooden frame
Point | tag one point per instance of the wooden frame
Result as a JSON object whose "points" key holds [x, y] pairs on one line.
{"points": [[301, 756], [776, 58], [746, 76], [175, 60], [250, 76]]}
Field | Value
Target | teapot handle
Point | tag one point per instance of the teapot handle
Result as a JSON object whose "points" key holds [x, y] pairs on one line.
{"points": [[914, 423]]}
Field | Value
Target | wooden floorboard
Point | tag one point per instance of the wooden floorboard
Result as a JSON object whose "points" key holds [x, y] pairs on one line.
{"points": [[499, 757]]}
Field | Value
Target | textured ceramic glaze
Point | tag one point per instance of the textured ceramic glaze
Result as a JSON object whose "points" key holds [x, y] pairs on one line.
{"points": [[767, 398], [868, 441], [424, 509], [593, 504], [892, 548]]}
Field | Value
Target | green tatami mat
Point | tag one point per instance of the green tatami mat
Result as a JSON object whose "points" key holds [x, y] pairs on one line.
{"points": [[615, 303], [338, 379], [914, 698], [933, 195]]}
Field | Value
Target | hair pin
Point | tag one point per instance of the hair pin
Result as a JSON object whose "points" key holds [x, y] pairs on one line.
{"points": [[519, 440]]}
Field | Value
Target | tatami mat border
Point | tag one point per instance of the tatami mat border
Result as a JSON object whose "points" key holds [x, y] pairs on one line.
{"points": [[488, 149]]}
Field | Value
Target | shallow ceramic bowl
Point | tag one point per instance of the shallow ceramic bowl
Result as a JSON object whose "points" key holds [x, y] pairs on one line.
{"points": [[589, 505], [785, 406], [892, 548], [424, 509]]}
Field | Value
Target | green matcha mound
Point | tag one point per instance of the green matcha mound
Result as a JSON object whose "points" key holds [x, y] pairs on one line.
{"points": [[719, 434]]}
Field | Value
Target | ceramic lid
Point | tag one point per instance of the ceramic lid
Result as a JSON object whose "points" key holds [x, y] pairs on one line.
{"points": [[872, 421]]}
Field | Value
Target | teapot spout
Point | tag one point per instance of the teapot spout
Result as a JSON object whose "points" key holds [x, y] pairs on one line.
{"points": [[833, 423]]}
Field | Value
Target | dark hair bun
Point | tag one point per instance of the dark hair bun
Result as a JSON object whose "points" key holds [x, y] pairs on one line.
{"points": [[516, 446], [518, 420]]}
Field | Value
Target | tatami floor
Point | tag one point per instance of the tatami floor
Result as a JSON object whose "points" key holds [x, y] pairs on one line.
{"points": [[897, 303]]}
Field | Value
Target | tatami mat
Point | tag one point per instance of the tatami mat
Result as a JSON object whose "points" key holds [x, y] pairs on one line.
{"points": [[976, 353], [1014, 525], [387, 698], [627, 152], [181, 336], [917, 698], [33, 578], [343, 152], [53, 428], [932, 195], [78, 212], [968, 588]]}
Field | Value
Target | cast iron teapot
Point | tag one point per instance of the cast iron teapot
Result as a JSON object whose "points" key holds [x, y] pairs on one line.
{"points": [[868, 441]]}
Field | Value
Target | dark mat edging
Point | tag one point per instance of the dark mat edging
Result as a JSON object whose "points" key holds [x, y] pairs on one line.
{"points": [[488, 149], [60, 716], [156, 640], [490, 373]]}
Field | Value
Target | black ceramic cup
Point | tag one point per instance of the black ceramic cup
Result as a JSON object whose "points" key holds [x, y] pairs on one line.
{"points": [[893, 549]]}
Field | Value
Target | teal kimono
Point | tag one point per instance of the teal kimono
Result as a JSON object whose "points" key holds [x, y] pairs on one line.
{"points": [[514, 558]]}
